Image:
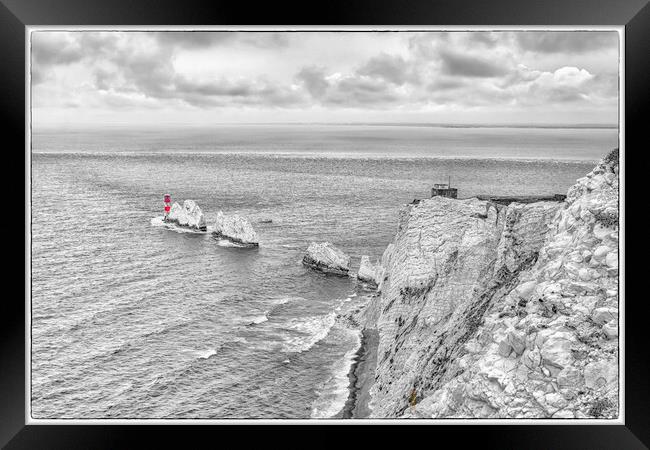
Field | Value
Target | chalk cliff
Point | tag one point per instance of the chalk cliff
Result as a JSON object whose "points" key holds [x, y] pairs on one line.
{"points": [[189, 215], [501, 311]]}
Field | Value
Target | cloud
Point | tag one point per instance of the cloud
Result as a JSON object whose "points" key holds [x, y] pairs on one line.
{"points": [[314, 80], [347, 90], [192, 39], [605, 85], [443, 84], [50, 48], [127, 69], [566, 84], [155, 70], [485, 38], [231, 92], [469, 66], [215, 88], [362, 90], [388, 67], [567, 41], [206, 39]]}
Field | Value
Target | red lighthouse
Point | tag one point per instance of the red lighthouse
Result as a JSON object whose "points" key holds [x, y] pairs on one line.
{"points": [[168, 201]]}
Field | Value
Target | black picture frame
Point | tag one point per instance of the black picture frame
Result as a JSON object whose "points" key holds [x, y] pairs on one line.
{"points": [[15, 15]]}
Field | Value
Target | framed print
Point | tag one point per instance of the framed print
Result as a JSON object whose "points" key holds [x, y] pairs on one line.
{"points": [[406, 216]]}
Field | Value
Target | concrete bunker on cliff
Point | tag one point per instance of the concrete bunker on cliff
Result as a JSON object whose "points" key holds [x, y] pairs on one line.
{"points": [[444, 190]]}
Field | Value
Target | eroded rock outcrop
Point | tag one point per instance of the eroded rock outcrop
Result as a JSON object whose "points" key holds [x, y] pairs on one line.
{"points": [[325, 257], [504, 312], [189, 215], [235, 229], [369, 273]]}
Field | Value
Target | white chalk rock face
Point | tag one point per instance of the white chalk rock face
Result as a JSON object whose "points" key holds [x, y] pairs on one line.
{"points": [[368, 272], [326, 258], [189, 215], [236, 229], [514, 315]]}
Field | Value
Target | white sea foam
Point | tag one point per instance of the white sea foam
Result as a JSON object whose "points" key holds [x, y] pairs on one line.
{"points": [[334, 392], [284, 300], [256, 320], [159, 222], [201, 354], [312, 329], [205, 354], [227, 243]]}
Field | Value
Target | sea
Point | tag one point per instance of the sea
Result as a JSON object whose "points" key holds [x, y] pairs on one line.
{"points": [[130, 319]]}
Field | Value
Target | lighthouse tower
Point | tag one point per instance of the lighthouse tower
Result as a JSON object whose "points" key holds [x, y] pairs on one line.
{"points": [[168, 204]]}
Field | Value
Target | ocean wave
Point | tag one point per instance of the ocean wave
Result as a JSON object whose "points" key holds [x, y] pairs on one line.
{"points": [[334, 392], [312, 330], [136, 340]]}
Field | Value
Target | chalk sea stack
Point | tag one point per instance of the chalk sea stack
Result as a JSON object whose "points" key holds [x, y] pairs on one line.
{"points": [[189, 216], [369, 273], [236, 229], [326, 258]]}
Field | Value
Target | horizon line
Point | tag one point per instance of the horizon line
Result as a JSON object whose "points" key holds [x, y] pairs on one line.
{"points": [[382, 123]]}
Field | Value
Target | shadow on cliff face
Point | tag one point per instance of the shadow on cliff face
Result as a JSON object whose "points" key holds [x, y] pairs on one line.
{"points": [[463, 325]]}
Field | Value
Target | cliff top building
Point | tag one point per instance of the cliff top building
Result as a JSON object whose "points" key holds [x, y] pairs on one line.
{"points": [[444, 190]]}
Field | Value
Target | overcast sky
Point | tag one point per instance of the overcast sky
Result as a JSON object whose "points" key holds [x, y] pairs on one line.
{"points": [[160, 78]]}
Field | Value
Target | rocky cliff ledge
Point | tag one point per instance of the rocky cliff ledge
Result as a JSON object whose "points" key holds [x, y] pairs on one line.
{"points": [[491, 311]]}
